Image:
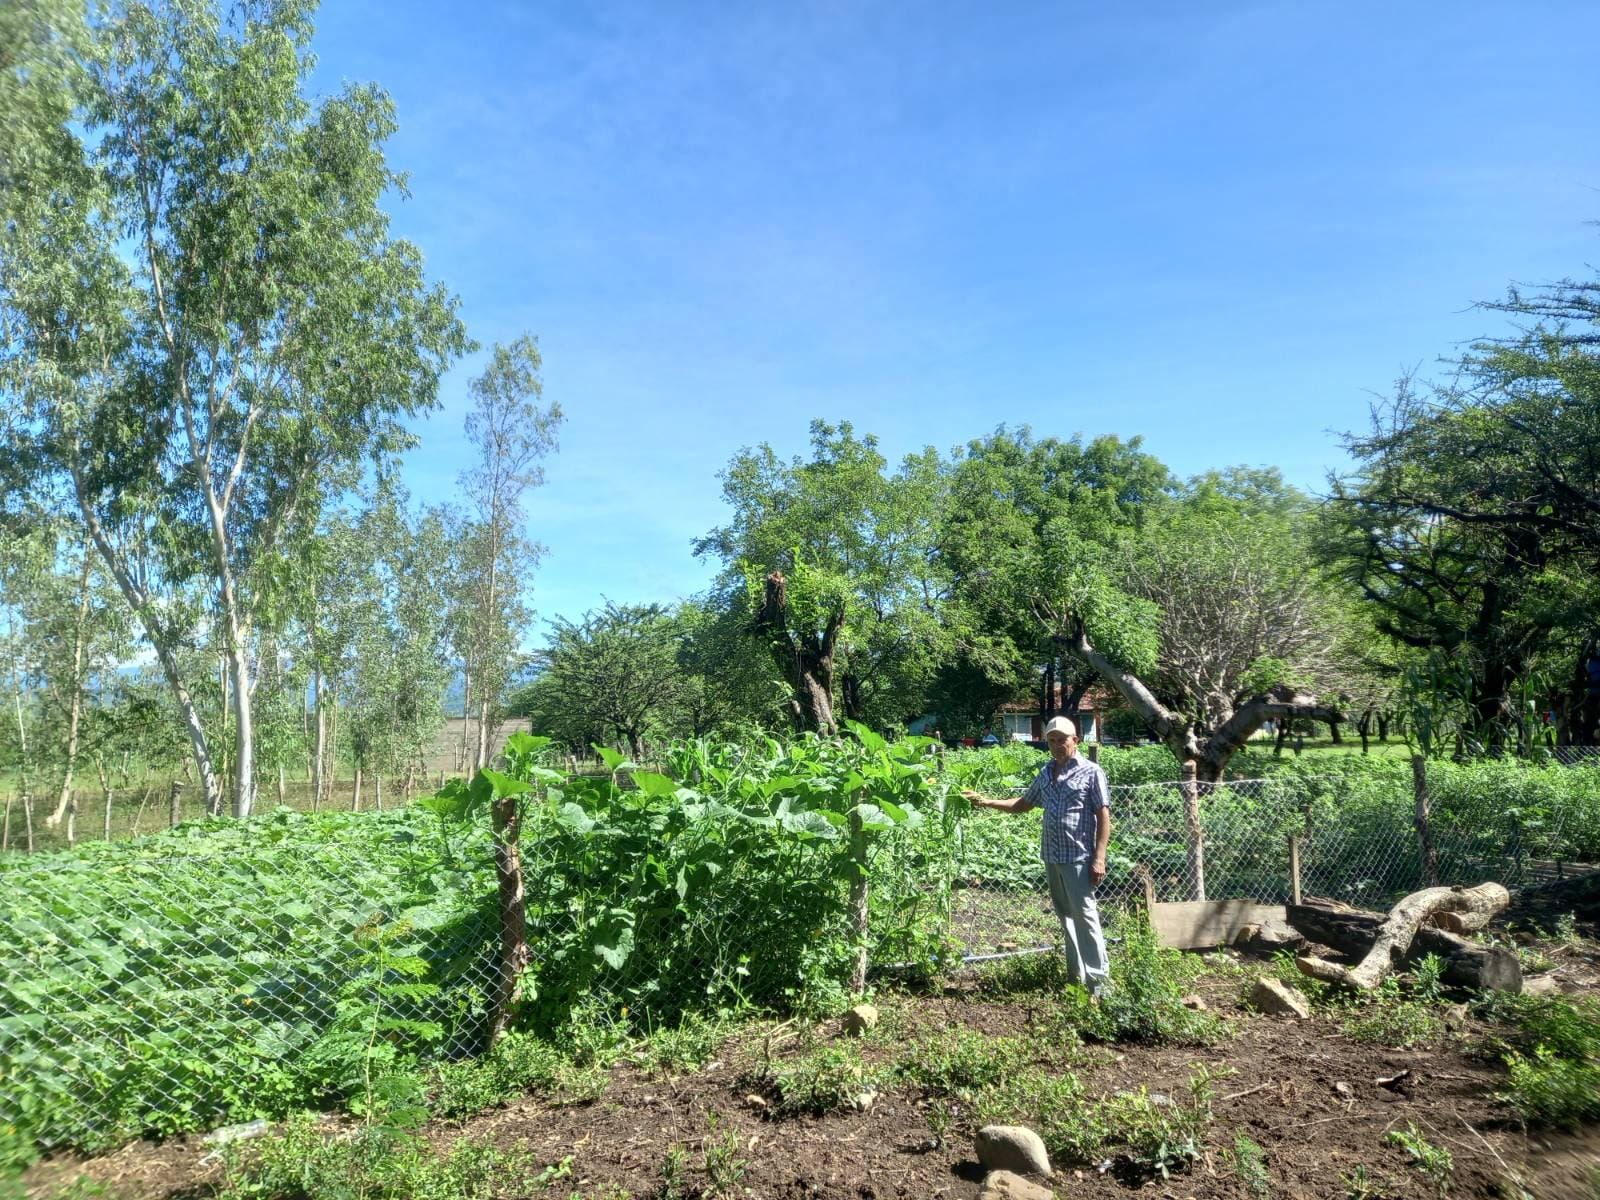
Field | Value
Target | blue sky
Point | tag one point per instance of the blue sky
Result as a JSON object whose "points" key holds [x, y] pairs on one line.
{"points": [[1220, 226]]}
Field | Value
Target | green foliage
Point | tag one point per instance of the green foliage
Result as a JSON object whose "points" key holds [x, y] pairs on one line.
{"points": [[1552, 1051], [519, 1063], [1023, 973], [1249, 1162], [222, 972], [725, 1163], [1144, 999], [1166, 1136], [827, 1078], [1433, 1161], [687, 1046], [1397, 1023], [960, 1062], [306, 1162]]}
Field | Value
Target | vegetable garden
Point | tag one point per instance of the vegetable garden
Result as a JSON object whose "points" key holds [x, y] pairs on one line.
{"points": [[225, 971]]}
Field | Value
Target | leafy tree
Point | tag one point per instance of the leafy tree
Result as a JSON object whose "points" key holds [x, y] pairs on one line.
{"points": [[616, 669], [512, 433], [831, 562], [237, 334], [1471, 523]]}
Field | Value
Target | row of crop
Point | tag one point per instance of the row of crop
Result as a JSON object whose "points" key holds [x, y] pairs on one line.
{"points": [[228, 970]]}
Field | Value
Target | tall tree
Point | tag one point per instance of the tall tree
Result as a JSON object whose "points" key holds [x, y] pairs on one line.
{"points": [[616, 669], [512, 433], [831, 562], [238, 333]]}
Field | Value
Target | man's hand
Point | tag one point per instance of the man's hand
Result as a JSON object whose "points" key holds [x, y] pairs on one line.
{"points": [[1097, 872], [978, 800]]}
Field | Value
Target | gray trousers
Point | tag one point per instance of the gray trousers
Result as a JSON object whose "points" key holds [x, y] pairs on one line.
{"points": [[1073, 897]]}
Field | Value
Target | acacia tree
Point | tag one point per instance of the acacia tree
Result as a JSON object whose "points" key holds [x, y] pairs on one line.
{"points": [[237, 333], [512, 433]]}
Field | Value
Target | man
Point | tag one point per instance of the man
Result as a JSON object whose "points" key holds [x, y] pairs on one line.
{"points": [[1077, 826]]}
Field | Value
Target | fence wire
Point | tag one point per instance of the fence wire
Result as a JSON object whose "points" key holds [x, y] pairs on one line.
{"points": [[1354, 844]]}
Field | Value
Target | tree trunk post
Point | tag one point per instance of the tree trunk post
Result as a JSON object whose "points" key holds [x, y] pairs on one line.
{"points": [[1196, 832], [283, 785], [859, 897], [377, 790], [5, 825], [506, 815], [1093, 751], [175, 804], [355, 794], [1423, 822], [27, 818], [1294, 868]]}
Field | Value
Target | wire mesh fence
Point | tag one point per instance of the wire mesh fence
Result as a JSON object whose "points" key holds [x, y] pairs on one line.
{"points": [[1350, 839], [168, 983]]}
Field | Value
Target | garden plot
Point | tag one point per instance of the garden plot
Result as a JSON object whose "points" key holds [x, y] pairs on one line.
{"points": [[1176, 1089]]}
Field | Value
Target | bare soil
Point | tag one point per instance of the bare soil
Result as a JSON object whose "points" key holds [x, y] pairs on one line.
{"points": [[1302, 1090]]}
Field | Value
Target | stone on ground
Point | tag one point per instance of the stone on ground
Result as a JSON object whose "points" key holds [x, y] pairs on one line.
{"points": [[1013, 1148], [1278, 999], [860, 1019], [1008, 1185], [1193, 1001]]}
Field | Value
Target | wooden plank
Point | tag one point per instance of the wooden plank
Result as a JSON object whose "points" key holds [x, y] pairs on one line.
{"points": [[1294, 867], [1202, 924]]}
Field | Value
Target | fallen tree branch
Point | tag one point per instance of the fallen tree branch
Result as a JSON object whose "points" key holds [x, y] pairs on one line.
{"points": [[1395, 935]]}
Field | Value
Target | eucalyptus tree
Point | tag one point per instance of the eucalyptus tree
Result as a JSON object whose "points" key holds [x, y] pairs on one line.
{"points": [[512, 433], [209, 328]]}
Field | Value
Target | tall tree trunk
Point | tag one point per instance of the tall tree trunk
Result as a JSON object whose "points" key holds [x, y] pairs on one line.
{"points": [[1422, 819], [377, 790], [27, 816], [72, 820], [105, 788], [320, 755], [355, 794], [244, 761], [283, 786], [75, 699], [805, 658], [1194, 830], [138, 817], [466, 719], [488, 624], [5, 825]]}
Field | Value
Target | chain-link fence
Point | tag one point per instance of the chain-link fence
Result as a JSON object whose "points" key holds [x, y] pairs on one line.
{"points": [[1348, 839]]}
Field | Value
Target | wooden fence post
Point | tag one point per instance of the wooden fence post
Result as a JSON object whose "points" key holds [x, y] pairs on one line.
{"points": [[1196, 832], [174, 803], [1294, 867]]}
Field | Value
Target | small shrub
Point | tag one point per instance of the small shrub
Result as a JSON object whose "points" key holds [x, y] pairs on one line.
{"points": [[1399, 1024], [1433, 1161], [960, 1062], [1547, 1089], [518, 1065], [1249, 1162], [1144, 1002], [826, 1079], [1023, 973], [1427, 979], [1074, 1127], [673, 1186], [686, 1047], [1358, 1185], [724, 1161]]}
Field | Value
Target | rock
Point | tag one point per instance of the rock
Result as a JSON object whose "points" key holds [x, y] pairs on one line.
{"points": [[756, 1102], [1541, 985], [1194, 1002], [864, 1100], [1455, 1018], [1008, 1185], [1013, 1148], [1278, 999], [1342, 1089], [860, 1019], [1247, 933]]}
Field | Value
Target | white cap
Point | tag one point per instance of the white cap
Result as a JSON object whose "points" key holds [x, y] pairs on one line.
{"points": [[1060, 725]]}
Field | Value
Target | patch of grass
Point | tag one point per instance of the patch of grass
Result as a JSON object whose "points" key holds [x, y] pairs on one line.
{"points": [[828, 1078], [686, 1047], [1433, 1161], [1397, 1023], [1358, 1185], [725, 1163], [518, 1065], [1144, 1002], [1249, 1163], [960, 1062], [1045, 971], [1547, 1089], [303, 1163]]}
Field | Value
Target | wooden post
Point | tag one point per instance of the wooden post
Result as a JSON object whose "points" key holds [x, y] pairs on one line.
{"points": [[1148, 883], [174, 803], [1294, 867], [1422, 819], [1093, 750]]}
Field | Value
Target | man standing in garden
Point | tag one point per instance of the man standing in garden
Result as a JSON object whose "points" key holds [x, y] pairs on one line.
{"points": [[1077, 825]]}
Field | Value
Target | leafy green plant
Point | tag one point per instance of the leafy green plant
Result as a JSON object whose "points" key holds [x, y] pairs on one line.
{"points": [[1551, 1048], [828, 1078], [519, 1063], [1022, 973], [1397, 1023], [673, 1185], [1547, 1089], [1433, 1161], [1249, 1162], [960, 1062], [1359, 1185], [725, 1163], [1144, 1001]]}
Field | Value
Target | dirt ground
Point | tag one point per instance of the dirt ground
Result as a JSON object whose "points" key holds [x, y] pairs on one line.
{"points": [[1302, 1090]]}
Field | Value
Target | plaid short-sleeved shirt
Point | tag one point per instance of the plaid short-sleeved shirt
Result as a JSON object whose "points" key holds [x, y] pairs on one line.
{"points": [[1072, 797]]}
